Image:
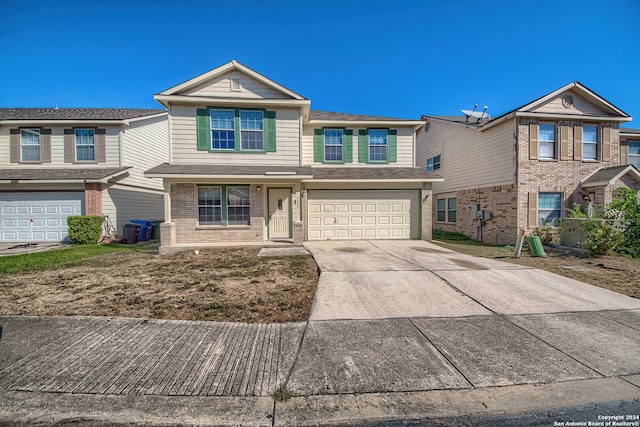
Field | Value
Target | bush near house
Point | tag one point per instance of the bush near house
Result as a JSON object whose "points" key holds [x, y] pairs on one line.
{"points": [[85, 229], [616, 229]]}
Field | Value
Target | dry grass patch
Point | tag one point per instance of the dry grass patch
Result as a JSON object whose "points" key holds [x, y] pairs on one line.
{"points": [[616, 273], [222, 285]]}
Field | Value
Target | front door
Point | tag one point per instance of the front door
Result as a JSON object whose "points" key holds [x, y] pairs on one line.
{"points": [[279, 213]]}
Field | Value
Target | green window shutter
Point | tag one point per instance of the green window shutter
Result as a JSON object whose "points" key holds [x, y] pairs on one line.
{"points": [[203, 124], [363, 145], [347, 146], [392, 145], [236, 133], [318, 145], [270, 131]]}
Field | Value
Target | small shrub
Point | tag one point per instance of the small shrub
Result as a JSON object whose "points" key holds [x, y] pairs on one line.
{"points": [[85, 229], [602, 238], [576, 212], [548, 235]]}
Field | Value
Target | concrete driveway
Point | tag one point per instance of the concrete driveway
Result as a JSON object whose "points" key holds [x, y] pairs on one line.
{"points": [[400, 279]]}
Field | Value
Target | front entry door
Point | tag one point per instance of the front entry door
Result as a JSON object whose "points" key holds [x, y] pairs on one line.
{"points": [[279, 213]]}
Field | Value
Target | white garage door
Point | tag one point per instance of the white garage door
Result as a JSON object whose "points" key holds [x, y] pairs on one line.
{"points": [[372, 214], [37, 217]]}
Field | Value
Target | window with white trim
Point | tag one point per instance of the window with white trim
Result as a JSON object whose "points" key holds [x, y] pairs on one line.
{"points": [[333, 145], [251, 130], [210, 205], [589, 142], [85, 144], [30, 145], [549, 208], [634, 153], [238, 205], [222, 129], [224, 205], [547, 140], [433, 163], [377, 145], [446, 209]]}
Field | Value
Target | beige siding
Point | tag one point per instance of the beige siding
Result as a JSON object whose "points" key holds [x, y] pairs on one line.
{"points": [[184, 141], [405, 148], [580, 106], [469, 159], [145, 144], [123, 204], [57, 149], [221, 87]]}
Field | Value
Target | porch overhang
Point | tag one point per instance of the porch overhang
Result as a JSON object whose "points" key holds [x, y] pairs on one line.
{"points": [[231, 173]]}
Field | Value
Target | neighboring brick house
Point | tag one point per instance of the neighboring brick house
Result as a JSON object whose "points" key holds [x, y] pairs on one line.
{"points": [[251, 162], [526, 166], [630, 147], [57, 162]]}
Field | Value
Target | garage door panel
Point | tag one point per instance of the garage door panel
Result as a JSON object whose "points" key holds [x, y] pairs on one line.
{"points": [[367, 214], [37, 216]]}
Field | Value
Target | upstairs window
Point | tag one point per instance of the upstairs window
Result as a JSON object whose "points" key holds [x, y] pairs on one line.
{"points": [[251, 131], [85, 145], [547, 138], [333, 145], [377, 145], [634, 153], [433, 163], [589, 142], [30, 145], [222, 130]]}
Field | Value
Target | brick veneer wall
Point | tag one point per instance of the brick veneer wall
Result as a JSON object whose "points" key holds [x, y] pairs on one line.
{"points": [[501, 201], [184, 214], [557, 175], [93, 198]]}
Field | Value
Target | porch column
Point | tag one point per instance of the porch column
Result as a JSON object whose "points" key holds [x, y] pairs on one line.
{"points": [[93, 198], [167, 228], [167, 202], [426, 205]]}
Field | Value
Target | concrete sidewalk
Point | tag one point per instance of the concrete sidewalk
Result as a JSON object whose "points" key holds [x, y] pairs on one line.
{"points": [[400, 331]]}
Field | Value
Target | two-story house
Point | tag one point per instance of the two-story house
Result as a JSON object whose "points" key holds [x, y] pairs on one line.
{"points": [[251, 162], [57, 162], [524, 168]]}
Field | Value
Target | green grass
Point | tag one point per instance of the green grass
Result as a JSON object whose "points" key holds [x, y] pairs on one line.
{"points": [[54, 258], [448, 235]]}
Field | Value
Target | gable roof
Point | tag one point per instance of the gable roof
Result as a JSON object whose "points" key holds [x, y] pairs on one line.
{"points": [[607, 176], [230, 66], [77, 113], [525, 110]]}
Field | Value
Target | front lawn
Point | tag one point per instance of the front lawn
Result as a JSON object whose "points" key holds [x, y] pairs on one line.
{"points": [[133, 281]]}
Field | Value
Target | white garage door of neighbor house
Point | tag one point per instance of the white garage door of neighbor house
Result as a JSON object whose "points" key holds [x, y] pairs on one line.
{"points": [[37, 217], [369, 214]]}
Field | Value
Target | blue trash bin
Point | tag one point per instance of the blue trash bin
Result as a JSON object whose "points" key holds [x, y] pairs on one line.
{"points": [[146, 227]]}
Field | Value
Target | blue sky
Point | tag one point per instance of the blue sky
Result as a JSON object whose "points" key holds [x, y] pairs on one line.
{"points": [[396, 58]]}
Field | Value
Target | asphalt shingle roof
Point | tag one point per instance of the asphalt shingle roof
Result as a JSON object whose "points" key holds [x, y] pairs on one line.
{"points": [[629, 130], [605, 174], [327, 115], [372, 173], [76, 113], [58, 174], [166, 168]]}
